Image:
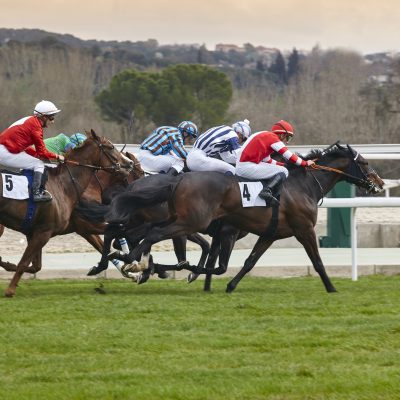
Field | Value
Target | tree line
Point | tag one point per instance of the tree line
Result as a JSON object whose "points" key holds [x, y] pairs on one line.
{"points": [[327, 95]]}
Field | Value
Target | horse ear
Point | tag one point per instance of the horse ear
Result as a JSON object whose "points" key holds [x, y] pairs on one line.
{"points": [[93, 134], [351, 150]]}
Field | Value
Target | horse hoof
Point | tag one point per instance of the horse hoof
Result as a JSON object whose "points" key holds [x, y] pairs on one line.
{"points": [[191, 277], [143, 278], [9, 293], [132, 267], [93, 271], [229, 288], [134, 276]]}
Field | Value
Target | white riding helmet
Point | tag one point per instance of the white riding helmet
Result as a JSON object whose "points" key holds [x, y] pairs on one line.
{"points": [[242, 127], [45, 107]]}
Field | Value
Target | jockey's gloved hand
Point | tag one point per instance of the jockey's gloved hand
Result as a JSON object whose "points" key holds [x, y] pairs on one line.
{"points": [[310, 162], [60, 158]]}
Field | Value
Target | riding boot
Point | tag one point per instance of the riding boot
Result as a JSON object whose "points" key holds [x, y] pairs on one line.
{"points": [[39, 195], [172, 171], [276, 183]]}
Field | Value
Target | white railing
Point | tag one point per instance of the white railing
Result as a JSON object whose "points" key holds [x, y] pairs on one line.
{"points": [[353, 203], [369, 151]]}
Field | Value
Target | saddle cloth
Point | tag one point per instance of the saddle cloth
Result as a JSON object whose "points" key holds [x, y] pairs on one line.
{"points": [[249, 191], [15, 186]]}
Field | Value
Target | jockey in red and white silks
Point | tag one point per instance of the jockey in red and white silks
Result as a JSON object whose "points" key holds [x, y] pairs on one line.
{"points": [[16, 142], [255, 161]]}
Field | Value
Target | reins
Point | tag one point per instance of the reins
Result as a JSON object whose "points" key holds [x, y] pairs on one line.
{"points": [[337, 171], [97, 167]]}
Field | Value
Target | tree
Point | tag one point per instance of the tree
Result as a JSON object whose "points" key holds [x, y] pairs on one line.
{"points": [[204, 56], [278, 67], [128, 91], [177, 93], [293, 64]]}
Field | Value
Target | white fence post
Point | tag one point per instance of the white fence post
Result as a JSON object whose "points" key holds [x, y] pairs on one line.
{"points": [[353, 203]]}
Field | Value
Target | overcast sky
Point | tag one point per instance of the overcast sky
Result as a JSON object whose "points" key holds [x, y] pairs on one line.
{"points": [[366, 26]]}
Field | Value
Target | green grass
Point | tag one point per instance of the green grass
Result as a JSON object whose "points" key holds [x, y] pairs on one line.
{"points": [[270, 339]]}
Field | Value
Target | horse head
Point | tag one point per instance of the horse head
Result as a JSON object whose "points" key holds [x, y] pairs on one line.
{"points": [[137, 171], [99, 153], [356, 169]]}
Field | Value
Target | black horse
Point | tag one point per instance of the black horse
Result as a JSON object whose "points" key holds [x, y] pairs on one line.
{"points": [[139, 224], [197, 199]]}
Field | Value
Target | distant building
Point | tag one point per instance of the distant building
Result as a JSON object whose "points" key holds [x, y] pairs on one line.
{"points": [[226, 48]]}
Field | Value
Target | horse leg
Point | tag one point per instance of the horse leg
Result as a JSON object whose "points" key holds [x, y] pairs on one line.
{"points": [[211, 260], [259, 249], [31, 269], [180, 251], [228, 237], [309, 241], [35, 244], [205, 250], [8, 266], [156, 234], [109, 235], [94, 240]]}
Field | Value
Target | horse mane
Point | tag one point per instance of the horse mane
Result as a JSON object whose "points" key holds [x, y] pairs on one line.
{"points": [[332, 151]]}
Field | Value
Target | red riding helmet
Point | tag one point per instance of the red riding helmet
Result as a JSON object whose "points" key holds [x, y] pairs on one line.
{"points": [[283, 128]]}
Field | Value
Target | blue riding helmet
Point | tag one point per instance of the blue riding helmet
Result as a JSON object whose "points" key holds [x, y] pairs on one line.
{"points": [[75, 141], [78, 138], [188, 127]]}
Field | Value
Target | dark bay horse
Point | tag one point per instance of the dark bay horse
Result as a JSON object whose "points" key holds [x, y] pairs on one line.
{"points": [[197, 199], [141, 221], [67, 183]]}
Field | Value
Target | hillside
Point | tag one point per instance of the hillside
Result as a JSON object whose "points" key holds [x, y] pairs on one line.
{"points": [[330, 95]]}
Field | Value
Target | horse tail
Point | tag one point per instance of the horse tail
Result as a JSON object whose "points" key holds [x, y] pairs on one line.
{"points": [[92, 210], [145, 192]]}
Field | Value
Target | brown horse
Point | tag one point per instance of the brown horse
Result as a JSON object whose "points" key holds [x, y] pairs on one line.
{"points": [[99, 183], [67, 183], [197, 199]]}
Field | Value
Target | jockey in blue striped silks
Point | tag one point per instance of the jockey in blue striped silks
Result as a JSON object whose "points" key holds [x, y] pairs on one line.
{"points": [[223, 142], [164, 150]]}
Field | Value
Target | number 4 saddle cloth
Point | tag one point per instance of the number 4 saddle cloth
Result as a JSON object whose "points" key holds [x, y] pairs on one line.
{"points": [[249, 191]]}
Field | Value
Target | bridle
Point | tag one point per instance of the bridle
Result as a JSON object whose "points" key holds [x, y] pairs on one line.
{"points": [[350, 176], [115, 167]]}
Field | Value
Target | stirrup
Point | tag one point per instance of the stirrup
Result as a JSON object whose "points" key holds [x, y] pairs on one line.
{"points": [[266, 194], [42, 196]]}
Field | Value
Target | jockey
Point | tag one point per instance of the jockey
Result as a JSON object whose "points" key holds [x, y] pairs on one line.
{"points": [[255, 161], [222, 141], [164, 150], [16, 142], [62, 143]]}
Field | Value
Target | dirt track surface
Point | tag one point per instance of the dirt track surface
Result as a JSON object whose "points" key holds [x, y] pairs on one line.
{"points": [[14, 242]]}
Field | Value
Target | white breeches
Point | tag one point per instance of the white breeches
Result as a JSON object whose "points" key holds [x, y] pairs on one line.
{"points": [[198, 161], [150, 162], [259, 171], [20, 160]]}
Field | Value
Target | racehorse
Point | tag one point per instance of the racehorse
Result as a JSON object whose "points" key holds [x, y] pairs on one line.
{"points": [[99, 183], [67, 183], [215, 196], [94, 212]]}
